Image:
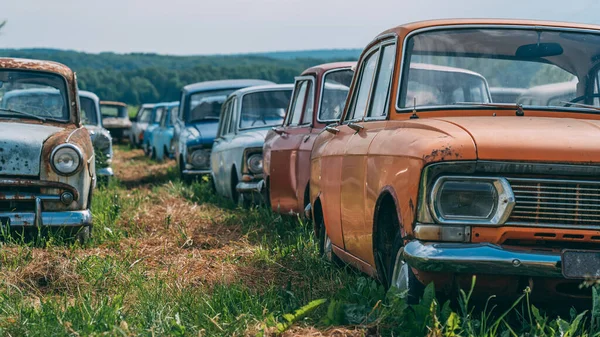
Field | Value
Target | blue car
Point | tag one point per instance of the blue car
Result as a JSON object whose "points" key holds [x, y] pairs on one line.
{"points": [[156, 114], [161, 137], [197, 123]]}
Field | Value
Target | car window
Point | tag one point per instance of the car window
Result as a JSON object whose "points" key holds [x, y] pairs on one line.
{"points": [[144, 115], [298, 103], [383, 81], [264, 108], [307, 116], [232, 114], [158, 115], [336, 85], [109, 110], [88, 111], [222, 118], [361, 94], [206, 104], [174, 113]]}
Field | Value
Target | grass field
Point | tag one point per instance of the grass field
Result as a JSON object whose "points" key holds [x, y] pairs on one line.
{"points": [[170, 259]]}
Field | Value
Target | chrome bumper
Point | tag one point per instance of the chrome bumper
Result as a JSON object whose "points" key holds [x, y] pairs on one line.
{"points": [[105, 172], [250, 187], [481, 258], [196, 172], [50, 219]]}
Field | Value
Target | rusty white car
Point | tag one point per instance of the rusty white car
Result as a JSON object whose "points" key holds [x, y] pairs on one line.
{"points": [[47, 163], [101, 137], [115, 119]]}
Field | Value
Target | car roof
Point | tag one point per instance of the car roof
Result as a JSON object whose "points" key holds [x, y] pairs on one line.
{"points": [[89, 94], [36, 65], [258, 88], [321, 68], [223, 84], [113, 103]]}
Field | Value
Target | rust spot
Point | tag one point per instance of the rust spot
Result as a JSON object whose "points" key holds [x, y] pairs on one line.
{"points": [[440, 154]]}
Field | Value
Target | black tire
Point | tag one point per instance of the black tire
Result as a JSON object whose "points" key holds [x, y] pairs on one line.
{"points": [[153, 153], [266, 194], [398, 270], [325, 245]]}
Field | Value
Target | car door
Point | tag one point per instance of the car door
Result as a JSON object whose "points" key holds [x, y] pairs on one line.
{"points": [[369, 115], [217, 166], [284, 152]]}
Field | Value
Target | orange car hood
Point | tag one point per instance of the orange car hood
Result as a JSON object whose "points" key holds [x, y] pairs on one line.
{"points": [[542, 139]]}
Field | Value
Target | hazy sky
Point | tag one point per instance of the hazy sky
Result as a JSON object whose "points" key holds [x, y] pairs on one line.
{"points": [[239, 26]]}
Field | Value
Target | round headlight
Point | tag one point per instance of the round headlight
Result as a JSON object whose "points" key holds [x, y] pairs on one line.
{"points": [[200, 159], [66, 159], [255, 163]]}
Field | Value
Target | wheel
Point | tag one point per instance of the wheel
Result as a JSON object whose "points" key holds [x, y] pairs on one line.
{"points": [[325, 245], [266, 193], [153, 153], [402, 276], [83, 235]]}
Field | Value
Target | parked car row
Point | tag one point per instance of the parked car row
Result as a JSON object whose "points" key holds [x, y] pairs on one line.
{"points": [[452, 148]]}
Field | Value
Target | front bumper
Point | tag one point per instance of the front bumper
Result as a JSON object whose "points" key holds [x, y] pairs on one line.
{"points": [[250, 187], [105, 172], [48, 219], [482, 258]]}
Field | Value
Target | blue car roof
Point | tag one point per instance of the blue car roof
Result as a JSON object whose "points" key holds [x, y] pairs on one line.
{"points": [[223, 84]]}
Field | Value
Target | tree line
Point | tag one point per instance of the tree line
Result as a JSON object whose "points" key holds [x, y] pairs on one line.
{"points": [[147, 78]]}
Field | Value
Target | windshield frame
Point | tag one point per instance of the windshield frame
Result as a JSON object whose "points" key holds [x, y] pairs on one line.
{"points": [[240, 105], [68, 97], [404, 65], [322, 91]]}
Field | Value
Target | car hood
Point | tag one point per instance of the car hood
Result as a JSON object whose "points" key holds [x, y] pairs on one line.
{"points": [[208, 133], [21, 147], [116, 122], [532, 139], [252, 138]]}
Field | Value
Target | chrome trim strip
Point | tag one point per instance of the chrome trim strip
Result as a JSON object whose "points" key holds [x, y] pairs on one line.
{"points": [[27, 197], [196, 172], [470, 26], [481, 258]]}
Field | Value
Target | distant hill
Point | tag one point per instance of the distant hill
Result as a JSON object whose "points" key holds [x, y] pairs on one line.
{"points": [[137, 78]]}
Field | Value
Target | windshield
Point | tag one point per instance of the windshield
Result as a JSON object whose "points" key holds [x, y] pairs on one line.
{"points": [[88, 111], [266, 108], [335, 90], [113, 111], [28, 94], [206, 105], [158, 115], [541, 68]]}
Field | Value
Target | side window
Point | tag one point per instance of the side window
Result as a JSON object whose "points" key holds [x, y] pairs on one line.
{"points": [[383, 80], [307, 117], [232, 115], [361, 94], [145, 115], [222, 119], [335, 90], [297, 103], [174, 114]]}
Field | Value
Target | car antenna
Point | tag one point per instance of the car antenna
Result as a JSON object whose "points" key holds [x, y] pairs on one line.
{"points": [[414, 115]]}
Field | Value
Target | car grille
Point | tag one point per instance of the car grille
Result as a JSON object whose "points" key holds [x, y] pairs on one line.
{"points": [[555, 202], [20, 205]]}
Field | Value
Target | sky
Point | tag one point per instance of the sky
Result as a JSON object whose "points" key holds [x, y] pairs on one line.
{"points": [[188, 27]]}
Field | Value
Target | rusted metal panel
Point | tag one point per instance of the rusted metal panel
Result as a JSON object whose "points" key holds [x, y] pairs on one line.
{"points": [[21, 147]]}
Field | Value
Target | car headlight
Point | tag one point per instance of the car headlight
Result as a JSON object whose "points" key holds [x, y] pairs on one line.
{"points": [[471, 200], [255, 163], [102, 143], [200, 158], [66, 159]]}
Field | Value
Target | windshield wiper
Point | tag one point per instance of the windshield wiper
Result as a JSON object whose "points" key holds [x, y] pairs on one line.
{"points": [[518, 107], [580, 105], [23, 114]]}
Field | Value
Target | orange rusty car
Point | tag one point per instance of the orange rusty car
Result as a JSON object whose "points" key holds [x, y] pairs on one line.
{"points": [[286, 152], [428, 179]]}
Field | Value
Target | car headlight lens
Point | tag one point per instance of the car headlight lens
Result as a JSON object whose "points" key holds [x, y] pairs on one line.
{"points": [[471, 200], [66, 159], [255, 163], [200, 159]]}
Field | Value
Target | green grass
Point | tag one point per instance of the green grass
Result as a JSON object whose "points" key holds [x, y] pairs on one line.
{"points": [[111, 286], [132, 110]]}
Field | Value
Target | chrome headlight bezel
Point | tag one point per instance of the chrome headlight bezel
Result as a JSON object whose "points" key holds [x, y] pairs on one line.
{"points": [[505, 201], [199, 158], [254, 163], [77, 154]]}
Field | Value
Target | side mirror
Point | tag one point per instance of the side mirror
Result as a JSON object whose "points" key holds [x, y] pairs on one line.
{"points": [[278, 130]]}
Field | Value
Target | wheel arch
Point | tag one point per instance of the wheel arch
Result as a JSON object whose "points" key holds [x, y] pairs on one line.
{"points": [[384, 230], [317, 214]]}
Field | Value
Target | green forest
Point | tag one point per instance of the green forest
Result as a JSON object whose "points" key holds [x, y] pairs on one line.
{"points": [[138, 78]]}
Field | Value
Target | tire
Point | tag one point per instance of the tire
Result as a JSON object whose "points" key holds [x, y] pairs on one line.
{"points": [[153, 153], [83, 235], [401, 275], [326, 247]]}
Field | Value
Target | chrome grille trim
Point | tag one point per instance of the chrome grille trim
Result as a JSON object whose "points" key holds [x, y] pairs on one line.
{"points": [[555, 203]]}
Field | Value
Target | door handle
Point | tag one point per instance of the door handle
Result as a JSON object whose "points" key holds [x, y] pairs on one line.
{"points": [[332, 129], [278, 131], [356, 127], [306, 138]]}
